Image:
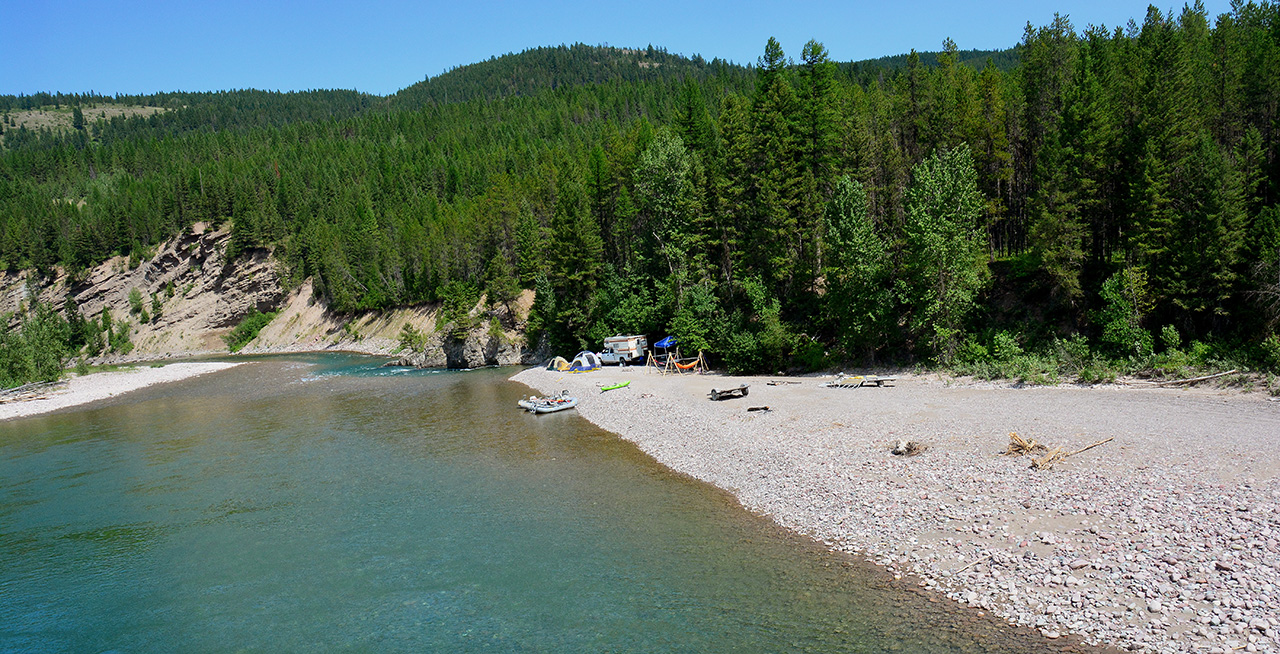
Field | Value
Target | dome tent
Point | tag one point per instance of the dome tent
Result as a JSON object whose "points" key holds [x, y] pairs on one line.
{"points": [[585, 361]]}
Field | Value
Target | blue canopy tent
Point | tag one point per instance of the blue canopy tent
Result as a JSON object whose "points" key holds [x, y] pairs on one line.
{"points": [[666, 358], [663, 352]]}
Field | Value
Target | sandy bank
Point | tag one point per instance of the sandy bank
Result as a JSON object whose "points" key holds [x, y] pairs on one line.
{"points": [[97, 386], [1165, 539]]}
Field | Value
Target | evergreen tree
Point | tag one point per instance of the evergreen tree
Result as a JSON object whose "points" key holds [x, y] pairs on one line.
{"points": [[693, 121], [576, 261], [817, 132], [777, 179], [992, 155]]}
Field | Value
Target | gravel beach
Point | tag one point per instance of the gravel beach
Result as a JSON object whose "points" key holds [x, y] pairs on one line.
{"points": [[1165, 539], [101, 385]]}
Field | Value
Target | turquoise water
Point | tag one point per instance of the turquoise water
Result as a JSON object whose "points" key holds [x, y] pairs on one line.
{"points": [[319, 503]]}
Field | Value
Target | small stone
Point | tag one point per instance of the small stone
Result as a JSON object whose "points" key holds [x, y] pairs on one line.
{"points": [[1052, 635], [1079, 563], [1153, 606]]}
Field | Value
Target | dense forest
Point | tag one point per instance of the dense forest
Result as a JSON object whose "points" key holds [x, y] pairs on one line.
{"points": [[1098, 198]]}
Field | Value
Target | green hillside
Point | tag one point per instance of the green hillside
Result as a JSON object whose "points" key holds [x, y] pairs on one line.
{"points": [[541, 69], [1109, 200], [863, 72]]}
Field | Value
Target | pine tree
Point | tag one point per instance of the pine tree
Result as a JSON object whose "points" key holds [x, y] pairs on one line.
{"points": [[817, 134], [777, 180], [992, 155], [1164, 196], [693, 120], [734, 219]]}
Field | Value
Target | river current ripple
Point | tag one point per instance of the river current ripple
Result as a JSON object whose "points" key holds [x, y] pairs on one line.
{"points": [[322, 503]]}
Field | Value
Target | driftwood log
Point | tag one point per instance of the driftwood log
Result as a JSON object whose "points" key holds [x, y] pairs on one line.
{"points": [[1193, 380], [32, 391], [1057, 454], [1019, 445], [908, 448]]}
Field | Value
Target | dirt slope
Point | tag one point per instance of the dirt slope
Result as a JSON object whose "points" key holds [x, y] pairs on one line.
{"points": [[201, 299]]}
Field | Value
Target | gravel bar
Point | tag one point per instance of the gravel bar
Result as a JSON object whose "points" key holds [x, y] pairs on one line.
{"points": [[1165, 539], [83, 389]]}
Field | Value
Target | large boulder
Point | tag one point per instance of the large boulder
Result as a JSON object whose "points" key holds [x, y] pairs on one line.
{"points": [[481, 348]]}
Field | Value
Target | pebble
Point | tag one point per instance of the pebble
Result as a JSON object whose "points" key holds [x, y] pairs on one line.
{"points": [[1111, 534]]}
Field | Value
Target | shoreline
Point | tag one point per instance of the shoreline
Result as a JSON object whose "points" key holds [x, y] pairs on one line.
{"points": [[96, 386], [1165, 539]]}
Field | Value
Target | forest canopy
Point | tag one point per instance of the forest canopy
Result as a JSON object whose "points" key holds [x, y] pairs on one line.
{"points": [[1107, 188]]}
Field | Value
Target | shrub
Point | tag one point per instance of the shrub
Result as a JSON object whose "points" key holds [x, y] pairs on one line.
{"points": [[412, 339], [349, 328], [811, 356], [37, 350], [1271, 352], [1127, 303], [458, 299], [121, 338], [248, 329], [135, 301], [1073, 354], [1004, 347], [742, 353]]}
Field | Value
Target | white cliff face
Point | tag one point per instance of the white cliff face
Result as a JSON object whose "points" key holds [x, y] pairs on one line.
{"points": [[201, 298]]}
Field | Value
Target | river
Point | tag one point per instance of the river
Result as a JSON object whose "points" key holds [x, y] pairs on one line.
{"points": [[321, 503]]}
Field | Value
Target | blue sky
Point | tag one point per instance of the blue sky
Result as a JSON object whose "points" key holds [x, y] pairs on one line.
{"points": [[382, 46]]}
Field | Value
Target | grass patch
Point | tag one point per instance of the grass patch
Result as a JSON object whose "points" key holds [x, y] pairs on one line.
{"points": [[1002, 355], [248, 329]]}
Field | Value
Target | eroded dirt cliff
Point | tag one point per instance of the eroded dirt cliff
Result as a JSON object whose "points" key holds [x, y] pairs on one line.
{"points": [[200, 298]]}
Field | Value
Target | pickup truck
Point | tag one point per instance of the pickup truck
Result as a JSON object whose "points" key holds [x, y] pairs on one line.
{"points": [[624, 350]]}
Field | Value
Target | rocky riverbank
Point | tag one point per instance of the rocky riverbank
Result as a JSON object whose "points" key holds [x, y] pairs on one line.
{"points": [[1165, 539], [191, 296]]}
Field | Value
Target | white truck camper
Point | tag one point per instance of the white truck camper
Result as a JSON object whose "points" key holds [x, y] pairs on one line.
{"points": [[624, 350]]}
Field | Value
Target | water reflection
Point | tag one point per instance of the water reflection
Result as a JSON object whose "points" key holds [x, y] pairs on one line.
{"points": [[321, 503]]}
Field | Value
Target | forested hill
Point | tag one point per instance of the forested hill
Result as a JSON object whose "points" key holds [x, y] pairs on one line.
{"points": [[180, 113], [862, 71], [540, 69], [1005, 60], [1114, 197], [549, 68]]}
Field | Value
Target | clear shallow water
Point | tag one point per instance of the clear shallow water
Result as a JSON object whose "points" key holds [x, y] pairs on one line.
{"points": [[319, 503]]}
